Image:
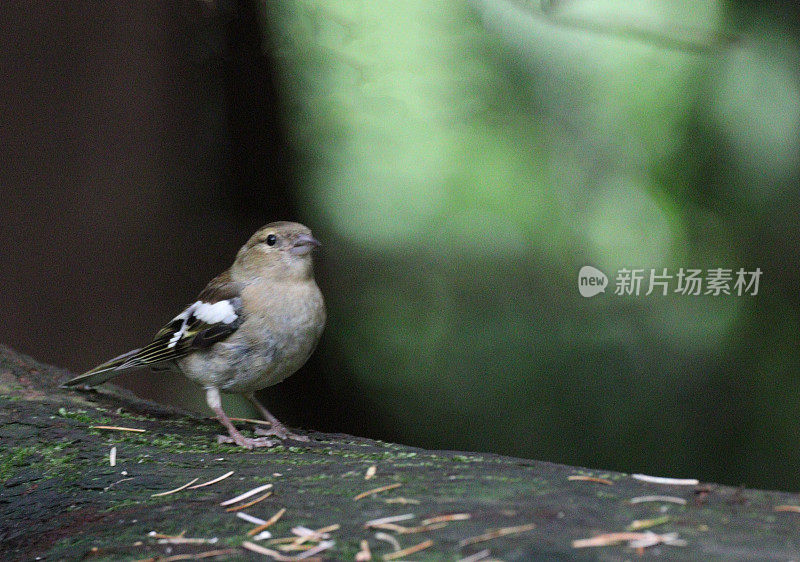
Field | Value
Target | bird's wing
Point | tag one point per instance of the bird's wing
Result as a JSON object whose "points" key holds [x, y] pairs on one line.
{"points": [[215, 315]]}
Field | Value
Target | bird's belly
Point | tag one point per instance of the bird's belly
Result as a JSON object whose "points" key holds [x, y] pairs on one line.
{"points": [[240, 365]]}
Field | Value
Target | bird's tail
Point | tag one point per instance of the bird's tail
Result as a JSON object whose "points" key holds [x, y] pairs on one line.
{"points": [[102, 373]]}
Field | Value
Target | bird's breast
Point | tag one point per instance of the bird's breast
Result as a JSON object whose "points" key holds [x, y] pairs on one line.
{"points": [[281, 329]]}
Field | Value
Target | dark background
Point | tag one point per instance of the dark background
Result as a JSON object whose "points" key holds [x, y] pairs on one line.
{"points": [[460, 162]]}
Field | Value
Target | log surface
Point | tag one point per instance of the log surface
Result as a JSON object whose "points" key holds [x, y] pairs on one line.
{"points": [[60, 498]]}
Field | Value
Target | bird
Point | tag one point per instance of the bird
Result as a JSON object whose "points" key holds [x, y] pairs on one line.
{"points": [[252, 326]]}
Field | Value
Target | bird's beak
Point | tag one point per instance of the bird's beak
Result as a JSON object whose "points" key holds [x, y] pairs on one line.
{"points": [[303, 244]]}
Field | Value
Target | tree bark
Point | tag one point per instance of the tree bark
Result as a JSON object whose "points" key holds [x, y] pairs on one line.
{"points": [[61, 498]]}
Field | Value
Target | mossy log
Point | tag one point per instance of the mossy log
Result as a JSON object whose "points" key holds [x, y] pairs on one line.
{"points": [[61, 498]]}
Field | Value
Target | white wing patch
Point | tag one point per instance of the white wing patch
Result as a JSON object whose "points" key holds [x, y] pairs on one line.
{"points": [[221, 311]]}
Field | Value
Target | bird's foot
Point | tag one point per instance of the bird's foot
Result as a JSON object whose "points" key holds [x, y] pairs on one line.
{"points": [[246, 442], [280, 431]]}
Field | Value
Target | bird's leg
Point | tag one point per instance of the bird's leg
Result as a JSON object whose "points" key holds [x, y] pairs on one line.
{"points": [[278, 429], [215, 403]]}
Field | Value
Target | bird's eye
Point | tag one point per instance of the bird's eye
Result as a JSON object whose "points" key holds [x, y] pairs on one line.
{"points": [[271, 239]]}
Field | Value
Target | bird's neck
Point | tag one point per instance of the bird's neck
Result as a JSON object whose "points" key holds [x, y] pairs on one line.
{"points": [[290, 271]]}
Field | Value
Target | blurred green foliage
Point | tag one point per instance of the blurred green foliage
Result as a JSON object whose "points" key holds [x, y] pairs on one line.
{"points": [[466, 159]]}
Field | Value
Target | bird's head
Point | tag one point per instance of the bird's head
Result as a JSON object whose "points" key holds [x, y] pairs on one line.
{"points": [[280, 250]]}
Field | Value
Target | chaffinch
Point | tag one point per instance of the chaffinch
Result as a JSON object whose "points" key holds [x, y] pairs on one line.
{"points": [[250, 328]]}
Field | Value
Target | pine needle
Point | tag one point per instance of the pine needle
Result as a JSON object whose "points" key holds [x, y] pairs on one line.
{"points": [[668, 499], [483, 554], [194, 556], [364, 554], [402, 501], [590, 479], [377, 491], [271, 521], [249, 504], [246, 495], [386, 537], [392, 519], [117, 428], [666, 481], [250, 519], [446, 518], [410, 550], [175, 490], [505, 531], [214, 481], [257, 548]]}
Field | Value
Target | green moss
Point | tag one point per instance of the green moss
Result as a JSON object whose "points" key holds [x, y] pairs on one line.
{"points": [[167, 442], [180, 444], [128, 415], [317, 477], [50, 459], [7, 389], [501, 478], [83, 416], [12, 460], [345, 550], [57, 459], [466, 458], [123, 504], [367, 457]]}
